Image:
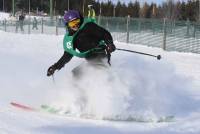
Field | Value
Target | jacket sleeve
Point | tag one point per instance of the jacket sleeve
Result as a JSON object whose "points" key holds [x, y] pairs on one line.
{"points": [[63, 60], [100, 32]]}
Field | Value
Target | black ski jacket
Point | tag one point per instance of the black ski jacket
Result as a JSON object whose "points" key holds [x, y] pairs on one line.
{"points": [[86, 38]]}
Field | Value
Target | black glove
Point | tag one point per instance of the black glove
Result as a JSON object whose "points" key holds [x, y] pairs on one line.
{"points": [[110, 48], [51, 70]]}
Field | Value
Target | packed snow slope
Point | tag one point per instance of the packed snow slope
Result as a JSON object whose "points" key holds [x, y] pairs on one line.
{"points": [[136, 88]]}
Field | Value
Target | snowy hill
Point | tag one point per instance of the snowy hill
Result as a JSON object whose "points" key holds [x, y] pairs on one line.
{"points": [[135, 87]]}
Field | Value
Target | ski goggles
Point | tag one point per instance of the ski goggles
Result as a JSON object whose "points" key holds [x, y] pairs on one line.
{"points": [[74, 23]]}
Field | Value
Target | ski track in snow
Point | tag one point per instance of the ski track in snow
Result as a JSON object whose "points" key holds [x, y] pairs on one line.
{"points": [[135, 86]]}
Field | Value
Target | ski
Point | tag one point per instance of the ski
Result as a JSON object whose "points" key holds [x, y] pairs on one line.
{"points": [[22, 106], [50, 109], [42, 108], [169, 118], [59, 111]]}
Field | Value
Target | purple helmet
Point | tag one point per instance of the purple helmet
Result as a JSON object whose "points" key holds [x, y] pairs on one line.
{"points": [[71, 15]]}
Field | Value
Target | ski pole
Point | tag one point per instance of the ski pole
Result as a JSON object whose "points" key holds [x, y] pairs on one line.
{"points": [[53, 79], [157, 56]]}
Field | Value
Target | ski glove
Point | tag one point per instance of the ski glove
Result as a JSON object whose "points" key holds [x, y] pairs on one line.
{"points": [[110, 48], [51, 70]]}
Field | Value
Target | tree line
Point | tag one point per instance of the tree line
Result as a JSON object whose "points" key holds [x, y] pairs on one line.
{"points": [[171, 9]]}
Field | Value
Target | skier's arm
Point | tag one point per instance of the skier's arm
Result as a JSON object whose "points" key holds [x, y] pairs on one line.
{"points": [[102, 34], [110, 47], [106, 36], [63, 60], [61, 63]]}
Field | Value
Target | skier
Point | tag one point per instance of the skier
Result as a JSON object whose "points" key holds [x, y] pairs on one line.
{"points": [[92, 41], [20, 22], [91, 12], [35, 22]]}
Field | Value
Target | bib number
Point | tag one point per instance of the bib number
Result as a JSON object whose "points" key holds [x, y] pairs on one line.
{"points": [[69, 45]]}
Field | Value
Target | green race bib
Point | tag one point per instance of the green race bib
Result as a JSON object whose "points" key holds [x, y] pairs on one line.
{"points": [[69, 47]]}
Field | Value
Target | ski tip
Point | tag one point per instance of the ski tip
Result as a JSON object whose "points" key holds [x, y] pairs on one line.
{"points": [[21, 106]]}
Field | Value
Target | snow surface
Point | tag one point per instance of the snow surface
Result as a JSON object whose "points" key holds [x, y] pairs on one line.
{"points": [[135, 86], [3, 16]]}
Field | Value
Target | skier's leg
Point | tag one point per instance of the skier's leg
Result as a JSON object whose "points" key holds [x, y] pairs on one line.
{"points": [[79, 71], [17, 25], [99, 60]]}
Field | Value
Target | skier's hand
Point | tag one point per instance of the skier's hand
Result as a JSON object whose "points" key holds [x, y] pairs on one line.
{"points": [[110, 48], [51, 70]]}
